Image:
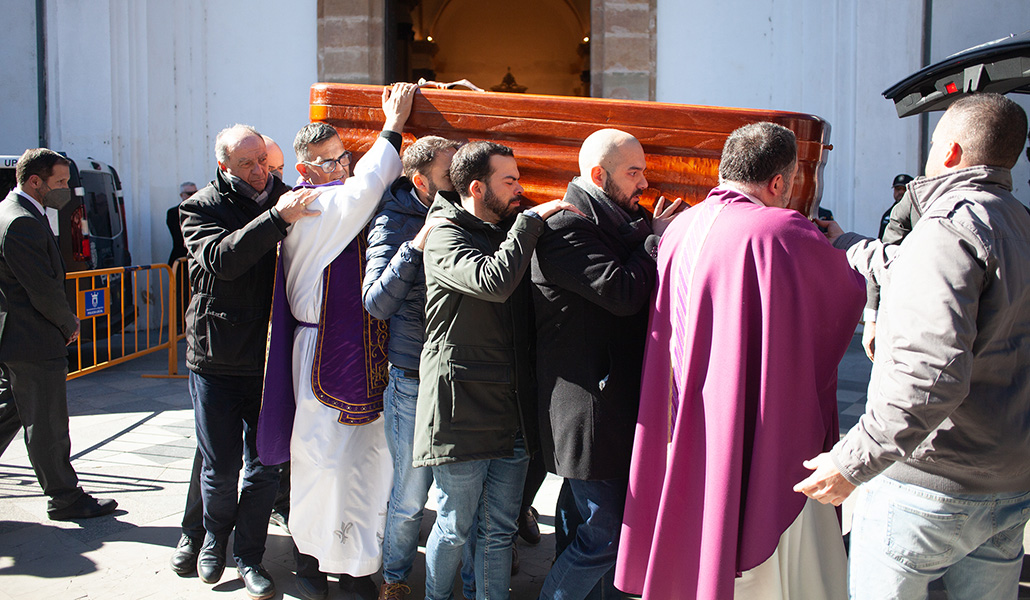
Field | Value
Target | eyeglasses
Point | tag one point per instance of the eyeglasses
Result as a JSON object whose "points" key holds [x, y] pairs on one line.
{"points": [[330, 165]]}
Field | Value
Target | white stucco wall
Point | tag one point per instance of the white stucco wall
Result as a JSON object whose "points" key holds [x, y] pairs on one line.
{"points": [[145, 86], [19, 101], [832, 58], [959, 25]]}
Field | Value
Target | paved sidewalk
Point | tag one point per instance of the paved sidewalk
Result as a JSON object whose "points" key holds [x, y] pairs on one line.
{"points": [[133, 440]]}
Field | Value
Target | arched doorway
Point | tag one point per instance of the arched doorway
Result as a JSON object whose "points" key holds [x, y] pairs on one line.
{"points": [[544, 43]]}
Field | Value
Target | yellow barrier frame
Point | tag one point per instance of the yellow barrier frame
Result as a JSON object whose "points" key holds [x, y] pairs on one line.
{"points": [[103, 327]]}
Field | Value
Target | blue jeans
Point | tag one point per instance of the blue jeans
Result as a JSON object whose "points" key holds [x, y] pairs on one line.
{"points": [[904, 536], [410, 484], [491, 491], [590, 555], [226, 411]]}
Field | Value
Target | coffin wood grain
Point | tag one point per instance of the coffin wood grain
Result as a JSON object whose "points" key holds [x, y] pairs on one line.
{"points": [[682, 142]]}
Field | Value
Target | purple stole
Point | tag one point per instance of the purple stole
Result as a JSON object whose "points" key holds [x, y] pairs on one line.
{"points": [[350, 366]]}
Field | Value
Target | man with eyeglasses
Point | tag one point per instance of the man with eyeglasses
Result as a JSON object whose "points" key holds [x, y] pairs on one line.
{"points": [[187, 189], [327, 364], [321, 157]]}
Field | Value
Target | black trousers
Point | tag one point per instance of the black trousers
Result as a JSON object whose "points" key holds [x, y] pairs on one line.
{"points": [[34, 399], [193, 514]]}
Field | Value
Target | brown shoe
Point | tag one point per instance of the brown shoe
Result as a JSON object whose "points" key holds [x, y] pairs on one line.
{"points": [[393, 591]]}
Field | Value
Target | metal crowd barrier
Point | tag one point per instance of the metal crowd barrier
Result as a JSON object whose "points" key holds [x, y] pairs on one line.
{"points": [[124, 313]]}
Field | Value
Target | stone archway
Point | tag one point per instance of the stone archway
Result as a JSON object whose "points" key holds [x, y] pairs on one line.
{"points": [[539, 41]]}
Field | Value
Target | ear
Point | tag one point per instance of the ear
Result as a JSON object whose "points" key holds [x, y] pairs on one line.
{"points": [[953, 157], [598, 176], [221, 165], [420, 182], [776, 184], [302, 169], [477, 189]]}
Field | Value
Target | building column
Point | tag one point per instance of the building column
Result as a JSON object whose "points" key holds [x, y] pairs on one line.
{"points": [[623, 61], [351, 39]]}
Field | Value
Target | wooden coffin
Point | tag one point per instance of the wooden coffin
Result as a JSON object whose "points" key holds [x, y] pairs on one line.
{"points": [[682, 142]]}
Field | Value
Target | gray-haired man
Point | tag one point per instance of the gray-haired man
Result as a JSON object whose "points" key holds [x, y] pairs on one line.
{"points": [[231, 228]]}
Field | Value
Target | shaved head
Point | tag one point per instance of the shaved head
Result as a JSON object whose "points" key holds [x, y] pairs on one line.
{"points": [[604, 148], [276, 160], [614, 161]]}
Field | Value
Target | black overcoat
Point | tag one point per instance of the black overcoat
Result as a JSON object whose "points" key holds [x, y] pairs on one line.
{"points": [[593, 279]]}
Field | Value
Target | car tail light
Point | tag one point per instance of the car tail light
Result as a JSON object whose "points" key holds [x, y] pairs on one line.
{"points": [[80, 235]]}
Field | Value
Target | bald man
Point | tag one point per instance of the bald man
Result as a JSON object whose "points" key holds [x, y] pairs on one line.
{"points": [[276, 160], [593, 278]]}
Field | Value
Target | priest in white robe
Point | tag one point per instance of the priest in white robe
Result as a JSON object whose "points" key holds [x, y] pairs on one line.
{"points": [[341, 469]]}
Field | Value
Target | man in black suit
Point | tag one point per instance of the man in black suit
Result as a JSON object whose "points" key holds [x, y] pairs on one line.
{"points": [[36, 325], [593, 278], [187, 189]]}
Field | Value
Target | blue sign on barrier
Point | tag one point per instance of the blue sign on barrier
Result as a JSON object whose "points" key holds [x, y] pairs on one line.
{"points": [[93, 303]]}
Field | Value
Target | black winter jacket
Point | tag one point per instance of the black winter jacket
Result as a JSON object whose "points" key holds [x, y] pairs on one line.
{"points": [[476, 390], [231, 243]]}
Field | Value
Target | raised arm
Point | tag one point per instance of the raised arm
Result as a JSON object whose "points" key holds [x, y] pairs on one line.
{"points": [[573, 256], [456, 263]]}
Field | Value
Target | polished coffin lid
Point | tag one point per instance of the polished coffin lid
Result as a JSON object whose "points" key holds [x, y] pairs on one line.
{"points": [[682, 142]]}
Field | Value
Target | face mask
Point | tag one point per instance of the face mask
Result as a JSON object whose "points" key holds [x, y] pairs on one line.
{"points": [[57, 198]]}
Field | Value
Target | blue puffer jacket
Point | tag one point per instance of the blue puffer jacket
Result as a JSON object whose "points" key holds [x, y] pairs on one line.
{"points": [[394, 287]]}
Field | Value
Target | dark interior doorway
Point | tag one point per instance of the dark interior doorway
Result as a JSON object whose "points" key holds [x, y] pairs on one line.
{"points": [[536, 46]]}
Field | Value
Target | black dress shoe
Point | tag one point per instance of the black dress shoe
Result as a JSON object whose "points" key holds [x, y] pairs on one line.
{"points": [[259, 583], [313, 588], [86, 507], [362, 588], [529, 529], [184, 559], [211, 561]]}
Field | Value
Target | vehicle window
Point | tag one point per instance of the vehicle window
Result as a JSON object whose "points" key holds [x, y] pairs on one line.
{"points": [[101, 205], [7, 181]]}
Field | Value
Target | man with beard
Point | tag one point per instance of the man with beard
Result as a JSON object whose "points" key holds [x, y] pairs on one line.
{"points": [[593, 279], [36, 324], [395, 288], [476, 415]]}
